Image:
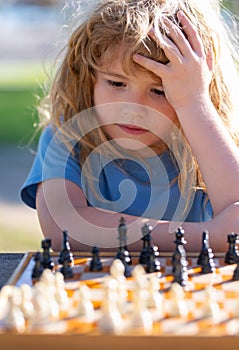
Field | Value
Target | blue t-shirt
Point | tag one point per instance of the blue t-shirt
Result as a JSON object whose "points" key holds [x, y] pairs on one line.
{"points": [[140, 187]]}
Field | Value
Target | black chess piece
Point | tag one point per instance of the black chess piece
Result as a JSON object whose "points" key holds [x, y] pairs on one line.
{"points": [[65, 252], [235, 276], [205, 258], [38, 267], [66, 268], [66, 258], [47, 261], [205, 247], [232, 255], [179, 252], [146, 238], [123, 252], [180, 270], [179, 242], [153, 263], [95, 263], [124, 258]]}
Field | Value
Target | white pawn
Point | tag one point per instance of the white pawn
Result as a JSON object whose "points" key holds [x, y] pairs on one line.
{"points": [[111, 320], [141, 317], [155, 298], [178, 305], [41, 313], [48, 279], [14, 320], [61, 295], [5, 293], [26, 302], [139, 276], [117, 272], [210, 306], [84, 306]]}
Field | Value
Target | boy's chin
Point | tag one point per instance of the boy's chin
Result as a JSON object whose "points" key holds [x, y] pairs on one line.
{"points": [[134, 146]]}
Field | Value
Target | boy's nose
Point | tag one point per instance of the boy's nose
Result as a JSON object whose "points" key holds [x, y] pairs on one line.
{"points": [[134, 109]]}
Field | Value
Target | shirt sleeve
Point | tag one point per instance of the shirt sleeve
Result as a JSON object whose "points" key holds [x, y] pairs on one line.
{"points": [[53, 160]]}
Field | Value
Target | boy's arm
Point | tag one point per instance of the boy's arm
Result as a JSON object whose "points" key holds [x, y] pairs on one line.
{"points": [[62, 205]]}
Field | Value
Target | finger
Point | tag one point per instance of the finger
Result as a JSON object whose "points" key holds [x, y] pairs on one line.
{"points": [[157, 68], [191, 33], [170, 49], [177, 36]]}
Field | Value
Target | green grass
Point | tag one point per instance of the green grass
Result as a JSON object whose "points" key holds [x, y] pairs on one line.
{"points": [[21, 239], [19, 87]]}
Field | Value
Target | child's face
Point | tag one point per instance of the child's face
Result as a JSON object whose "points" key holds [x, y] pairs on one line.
{"points": [[132, 109]]}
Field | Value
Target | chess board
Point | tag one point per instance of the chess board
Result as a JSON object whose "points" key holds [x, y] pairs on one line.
{"points": [[168, 331]]}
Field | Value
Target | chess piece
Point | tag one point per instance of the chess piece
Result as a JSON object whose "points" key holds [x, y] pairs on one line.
{"points": [[146, 238], [66, 250], [235, 276], [47, 261], [180, 273], [123, 252], [179, 241], [95, 264], [38, 267], [232, 255], [66, 257], [123, 256], [205, 258], [205, 248], [153, 264]]}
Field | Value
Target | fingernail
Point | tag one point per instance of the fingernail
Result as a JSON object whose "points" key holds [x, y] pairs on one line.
{"points": [[180, 14]]}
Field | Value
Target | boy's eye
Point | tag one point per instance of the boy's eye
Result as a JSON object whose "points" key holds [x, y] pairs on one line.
{"points": [[115, 83], [158, 92]]}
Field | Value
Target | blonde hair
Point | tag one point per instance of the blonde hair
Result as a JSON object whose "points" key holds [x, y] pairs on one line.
{"points": [[99, 29]]}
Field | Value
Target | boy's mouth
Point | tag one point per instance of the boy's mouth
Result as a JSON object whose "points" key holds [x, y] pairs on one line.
{"points": [[132, 129]]}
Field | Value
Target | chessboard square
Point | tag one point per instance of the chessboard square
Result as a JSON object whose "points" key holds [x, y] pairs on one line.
{"points": [[93, 275]]}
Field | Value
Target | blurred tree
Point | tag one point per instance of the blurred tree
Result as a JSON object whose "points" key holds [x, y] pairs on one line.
{"points": [[232, 5], [38, 2]]}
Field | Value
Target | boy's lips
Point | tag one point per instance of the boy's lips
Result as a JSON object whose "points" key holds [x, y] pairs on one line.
{"points": [[132, 129]]}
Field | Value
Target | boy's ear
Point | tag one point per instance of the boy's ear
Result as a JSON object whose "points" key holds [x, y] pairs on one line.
{"points": [[210, 59]]}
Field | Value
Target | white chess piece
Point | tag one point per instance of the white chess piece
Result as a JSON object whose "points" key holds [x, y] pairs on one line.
{"points": [[155, 299], [84, 306], [210, 306], [26, 302], [178, 305], [117, 272], [111, 320], [14, 320], [61, 295]]}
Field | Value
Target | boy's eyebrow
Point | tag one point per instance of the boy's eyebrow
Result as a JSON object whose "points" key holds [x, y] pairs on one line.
{"points": [[113, 74], [120, 76]]}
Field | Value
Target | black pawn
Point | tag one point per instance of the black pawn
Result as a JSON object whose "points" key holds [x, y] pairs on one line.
{"points": [[205, 258], [121, 256], [123, 253], [38, 268], [180, 270], [47, 262], [66, 257], [95, 264], [204, 249], [153, 264], [235, 276], [179, 242], [146, 233], [232, 255]]}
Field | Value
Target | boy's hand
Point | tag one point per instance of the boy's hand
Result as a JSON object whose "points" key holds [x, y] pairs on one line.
{"points": [[186, 78]]}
